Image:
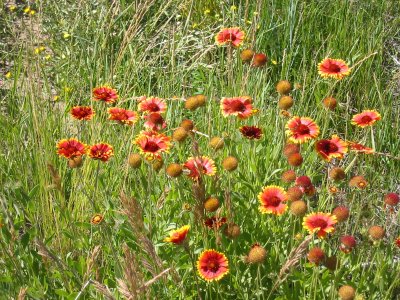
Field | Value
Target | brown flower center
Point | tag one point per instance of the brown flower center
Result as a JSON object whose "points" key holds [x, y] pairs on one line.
{"points": [[274, 201], [153, 107], [212, 266], [151, 147], [334, 68], [366, 119], [302, 129], [319, 223]]}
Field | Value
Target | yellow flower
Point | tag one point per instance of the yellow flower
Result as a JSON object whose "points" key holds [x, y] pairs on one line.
{"points": [[32, 12], [56, 98], [12, 7], [274, 62], [8, 75], [47, 57], [66, 35], [38, 50], [27, 9], [233, 8], [194, 25], [248, 22], [207, 12]]}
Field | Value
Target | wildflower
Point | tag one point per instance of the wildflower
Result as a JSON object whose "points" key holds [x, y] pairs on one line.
{"points": [[216, 143], [230, 163], [303, 181], [82, 112], [247, 55], [285, 113], [207, 11], [333, 148], [105, 94], [360, 148], [321, 223], [256, 255], [251, 132], [101, 151], [8, 75], [211, 204], [329, 103], [342, 213], [273, 200], [295, 159], [366, 118], [237, 106], [274, 62], [301, 129], [212, 265], [285, 102], [337, 174], [232, 230], [12, 8], [71, 148], [200, 165], [358, 182], [180, 134], [288, 176], [316, 255], [187, 124], [392, 199], [152, 105], [174, 170], [123, 116], [259, 60], [397, 242], [283, 87], [233, 8], [178, 236], [135, 160], [347, 292], [152, 144], [290, 149], [333, 68], [215, 222], [27, 9], [376, 233], [294, 193], [66, 35], [333, 189], [154, 121], [97, 219], [298, 208], [230, 36], [347, 243], [331, 263]]}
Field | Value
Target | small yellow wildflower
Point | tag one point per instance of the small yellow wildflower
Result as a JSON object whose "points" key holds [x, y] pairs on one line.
{"points": [[56, 98], [274, 62], [207, 11], [47, 57], [8, 75], [194, 25], [27, 10], [32, 12], [233, 8], [66, 35], [12, 7]]}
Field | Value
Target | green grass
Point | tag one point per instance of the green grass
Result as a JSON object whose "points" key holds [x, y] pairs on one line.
{"points": [[166, 49]]}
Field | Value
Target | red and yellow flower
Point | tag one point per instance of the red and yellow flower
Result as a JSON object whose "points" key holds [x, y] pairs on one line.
{"points": [[71, 148], [251, 132], [97, 219], [333, 68], [178, 236], [152, 144], [230, 36], [273, 200], [101, 151], [333, 148], [212, 265], [365, 118], [123, 116], [320, 223], [201, 165], [154, 121], [105, 94], [241, 107], [82, 112], [152, 105], [301, 129]]}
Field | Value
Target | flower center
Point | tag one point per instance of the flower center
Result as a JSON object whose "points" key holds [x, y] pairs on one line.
{"points": [[213, 266], [274, 201], [302, 129], [156, 118], [329, 147], [151, 147], [153, 107], [366, 119], [319, 223], [238, 106], [334, 68]]}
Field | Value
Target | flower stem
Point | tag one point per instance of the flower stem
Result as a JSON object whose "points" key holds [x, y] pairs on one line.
{"points": [[187, 249]]}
